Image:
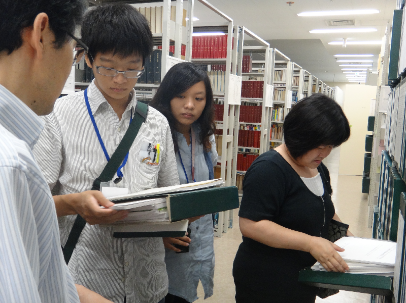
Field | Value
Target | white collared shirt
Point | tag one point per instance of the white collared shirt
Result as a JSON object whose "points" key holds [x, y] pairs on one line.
{"points": [[32, 268], [71, 157]]}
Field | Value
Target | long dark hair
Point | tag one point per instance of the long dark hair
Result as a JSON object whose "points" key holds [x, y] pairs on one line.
{"points": [[177, 80]]}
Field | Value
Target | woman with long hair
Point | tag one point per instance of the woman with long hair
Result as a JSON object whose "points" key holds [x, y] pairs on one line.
{"points": [[185, 98]]}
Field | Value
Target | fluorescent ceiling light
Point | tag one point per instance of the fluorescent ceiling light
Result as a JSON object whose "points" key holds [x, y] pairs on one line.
{"points": [[343, 30], [209, 34], [339, 13], [355, 65], [194, 19], [354, 72], [354, 69], [376, 42], [355, 60], [353, 55]]}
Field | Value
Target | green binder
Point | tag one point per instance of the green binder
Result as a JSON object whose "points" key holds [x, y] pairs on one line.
{"points": [[182, 206], [201, 202]]}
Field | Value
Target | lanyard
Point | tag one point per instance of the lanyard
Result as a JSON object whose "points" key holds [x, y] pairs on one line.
{"points": [[192, 147], [119, 173]]}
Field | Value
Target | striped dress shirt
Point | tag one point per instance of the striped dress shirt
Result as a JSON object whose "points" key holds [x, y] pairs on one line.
{"points": [[32, 268], [71, 157]]}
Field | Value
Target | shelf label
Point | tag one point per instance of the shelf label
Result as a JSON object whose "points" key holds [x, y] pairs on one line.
{"points": [[269, 95], [234, 90]]}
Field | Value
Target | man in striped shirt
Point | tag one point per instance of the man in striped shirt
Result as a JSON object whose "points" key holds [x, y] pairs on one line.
{"points": [[35, 60], [72, 156]]}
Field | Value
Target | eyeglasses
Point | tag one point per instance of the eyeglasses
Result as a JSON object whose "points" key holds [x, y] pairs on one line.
{"points": [[79, 50], [111, 72]]}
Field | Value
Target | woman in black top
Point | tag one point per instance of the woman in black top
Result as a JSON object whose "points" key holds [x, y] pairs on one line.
{"points": [[286, 208]]}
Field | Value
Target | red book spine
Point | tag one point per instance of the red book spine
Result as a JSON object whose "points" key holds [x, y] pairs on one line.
{"points": [[258, 137], [224, 46]]}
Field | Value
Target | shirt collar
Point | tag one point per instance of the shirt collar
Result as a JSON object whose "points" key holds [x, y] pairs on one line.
{"points": [[96, 99], [18, 118]]}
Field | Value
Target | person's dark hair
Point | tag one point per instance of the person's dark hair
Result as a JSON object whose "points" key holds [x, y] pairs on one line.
{"points": [[16, 15], [314, 121], [117, 28], [177, 80]]}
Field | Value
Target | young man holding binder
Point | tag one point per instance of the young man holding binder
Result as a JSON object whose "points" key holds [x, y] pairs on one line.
{"points": [[81, 135]]}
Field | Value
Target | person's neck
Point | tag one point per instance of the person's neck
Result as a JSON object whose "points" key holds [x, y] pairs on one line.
{"points": [[185, 131], [119, 105], [16, 76]]}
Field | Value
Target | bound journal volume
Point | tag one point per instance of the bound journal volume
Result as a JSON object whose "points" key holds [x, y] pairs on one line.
{"points": [[163, 212]]}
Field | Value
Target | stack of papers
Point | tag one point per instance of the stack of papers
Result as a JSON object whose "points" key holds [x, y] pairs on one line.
{"points": [[366, 256]]}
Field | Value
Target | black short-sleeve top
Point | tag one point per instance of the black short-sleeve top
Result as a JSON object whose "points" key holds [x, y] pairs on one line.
{"points": [[273, 191]]}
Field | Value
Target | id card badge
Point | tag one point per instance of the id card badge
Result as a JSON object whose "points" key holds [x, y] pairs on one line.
{"points": [[111, 189]]}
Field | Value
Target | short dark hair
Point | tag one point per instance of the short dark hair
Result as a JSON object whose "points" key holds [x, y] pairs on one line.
{"points": [[117, 28], [16, 15], [314, 121], [177, 80]]}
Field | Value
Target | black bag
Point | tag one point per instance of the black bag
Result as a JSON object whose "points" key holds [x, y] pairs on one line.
{"points": [[336, 230]]}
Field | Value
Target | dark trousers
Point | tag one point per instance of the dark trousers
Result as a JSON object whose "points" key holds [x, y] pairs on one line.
{"points": [[174, 299]]}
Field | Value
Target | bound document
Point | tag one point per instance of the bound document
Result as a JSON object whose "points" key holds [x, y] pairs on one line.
{"points": [[366, 256], [162, 212]]}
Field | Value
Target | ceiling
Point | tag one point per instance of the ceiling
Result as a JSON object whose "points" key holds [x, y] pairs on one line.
{"points": [[277, 22]]}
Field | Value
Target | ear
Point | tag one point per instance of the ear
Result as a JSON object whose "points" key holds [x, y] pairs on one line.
{"points": [[88, 61], [39, 34]]}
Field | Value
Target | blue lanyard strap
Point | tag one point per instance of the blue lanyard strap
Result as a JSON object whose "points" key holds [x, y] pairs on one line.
{"points": [[119, 173], [191, 160]]}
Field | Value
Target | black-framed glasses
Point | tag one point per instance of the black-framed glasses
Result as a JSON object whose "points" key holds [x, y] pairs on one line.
{"points": [[112, 72], [79, 50]]}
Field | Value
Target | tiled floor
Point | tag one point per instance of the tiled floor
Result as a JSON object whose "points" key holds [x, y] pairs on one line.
{"points": [[351, 206]]}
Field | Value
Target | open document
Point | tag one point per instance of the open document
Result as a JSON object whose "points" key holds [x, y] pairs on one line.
{"points": [[366, 256], [164, 211]]}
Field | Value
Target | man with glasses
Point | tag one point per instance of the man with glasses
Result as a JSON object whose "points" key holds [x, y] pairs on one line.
{"points": [[82, 133], [35, 61]]}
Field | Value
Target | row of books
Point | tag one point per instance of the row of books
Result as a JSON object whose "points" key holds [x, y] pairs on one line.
{"points": [[217, 80], [249, 138], [295, 81], [277, 114], [250, 113], [245, 160], [279, 75], [279, 94], [218, 112], [172, 50], [294, 97], [306, 85], [276, 132], [239, 181], [252, 89], [246, 64], [152, 68], [205, 47], [154, 17], [216, 67]]}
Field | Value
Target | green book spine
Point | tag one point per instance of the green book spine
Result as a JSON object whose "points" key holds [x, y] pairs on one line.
{"points": [[395, 44], [202, 202]]}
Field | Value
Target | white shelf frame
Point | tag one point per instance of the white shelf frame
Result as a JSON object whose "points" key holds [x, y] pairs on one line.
{"points": [[230, 115]]}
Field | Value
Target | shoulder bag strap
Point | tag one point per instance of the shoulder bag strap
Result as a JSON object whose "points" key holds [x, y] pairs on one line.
{"points": [[141, 112]]}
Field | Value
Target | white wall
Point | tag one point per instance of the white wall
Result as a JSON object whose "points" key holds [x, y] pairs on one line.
{"points": [[357, 100]]}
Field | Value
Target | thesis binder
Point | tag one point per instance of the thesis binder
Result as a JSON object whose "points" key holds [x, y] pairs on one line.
{"points": [[164, 211]]}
